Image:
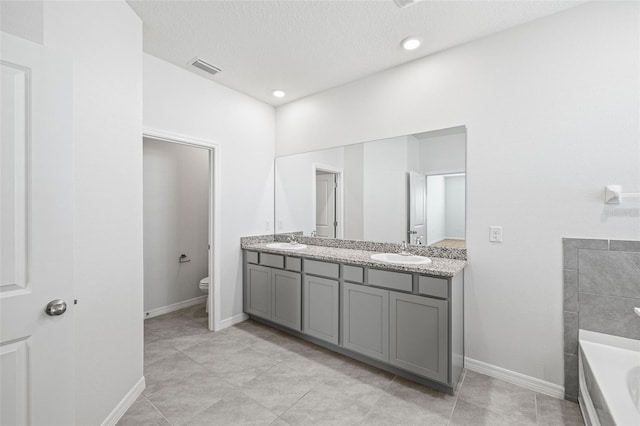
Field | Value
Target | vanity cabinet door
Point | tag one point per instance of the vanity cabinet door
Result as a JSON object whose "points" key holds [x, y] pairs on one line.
{"points": [[321, 308], [258, 297], [366, 320], [419, 335], [286, 299]]}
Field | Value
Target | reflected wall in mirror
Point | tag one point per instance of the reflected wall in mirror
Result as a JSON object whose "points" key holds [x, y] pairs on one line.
{"points": [[407, 188]]}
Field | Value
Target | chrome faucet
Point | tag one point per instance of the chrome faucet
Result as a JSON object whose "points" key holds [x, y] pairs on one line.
{"points": [[314, 234], [405, 249], [292, 239]]}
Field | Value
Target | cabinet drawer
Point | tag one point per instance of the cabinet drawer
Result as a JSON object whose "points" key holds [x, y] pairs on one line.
{"points": [[273, 260], [392, 280], [294, 264], [252, 257], [353, 273], [324, 269], [436, 287]]}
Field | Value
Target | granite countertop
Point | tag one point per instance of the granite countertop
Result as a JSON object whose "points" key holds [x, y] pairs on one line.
{"points": [[438, 266]]}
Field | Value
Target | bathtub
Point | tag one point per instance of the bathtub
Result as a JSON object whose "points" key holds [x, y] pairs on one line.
{"points": [[609, 379]]}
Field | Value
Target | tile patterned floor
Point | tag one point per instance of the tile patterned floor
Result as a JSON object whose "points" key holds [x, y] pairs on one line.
{"points": [[250, 374]]}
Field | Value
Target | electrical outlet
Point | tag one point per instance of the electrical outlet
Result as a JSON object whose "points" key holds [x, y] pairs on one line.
{"points": [[267, 225], [279, 225], [495, 234]]}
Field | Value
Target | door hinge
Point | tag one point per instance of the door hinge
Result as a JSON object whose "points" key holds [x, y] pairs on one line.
{"points": [[335, 184], [335, 224]]}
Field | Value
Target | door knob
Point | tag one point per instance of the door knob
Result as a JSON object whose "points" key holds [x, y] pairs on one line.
{"points": [[56, 307]]}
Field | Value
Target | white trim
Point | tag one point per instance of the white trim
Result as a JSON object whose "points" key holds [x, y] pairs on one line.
{"points": [[125, 403], [175, 307], [228, 322], [447, 173], [519, 379], [215, 171]]}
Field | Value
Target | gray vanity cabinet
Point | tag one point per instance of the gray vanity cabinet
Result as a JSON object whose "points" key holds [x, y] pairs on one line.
{"points": [[406, 322], [274, 294], [419, 336], [365, 318], [321, 308], [258, 289], [286, 298]]}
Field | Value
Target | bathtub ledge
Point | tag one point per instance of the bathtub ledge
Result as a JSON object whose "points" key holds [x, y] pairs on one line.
{"points": [[609, 359]]}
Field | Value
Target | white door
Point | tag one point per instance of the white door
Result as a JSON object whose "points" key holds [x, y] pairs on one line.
{"points": [[325, 204], [36, 216], [417, 208]]}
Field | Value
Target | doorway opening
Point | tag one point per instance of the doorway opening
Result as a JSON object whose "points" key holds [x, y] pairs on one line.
{"points": [[327, 200], [180, 221], [437, 200]]}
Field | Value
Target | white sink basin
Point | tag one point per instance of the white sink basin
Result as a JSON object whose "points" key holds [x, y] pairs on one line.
{"points": [[287, 246], [401, 259]]}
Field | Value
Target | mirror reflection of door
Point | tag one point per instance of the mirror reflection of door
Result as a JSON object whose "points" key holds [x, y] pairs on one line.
{"points": [[326, 220], [417, 233], [445, 206]]}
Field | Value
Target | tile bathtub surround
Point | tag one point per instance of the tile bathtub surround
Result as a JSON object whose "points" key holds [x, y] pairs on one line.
{"points": [[429, 251], [601, 288], [254, 374]]}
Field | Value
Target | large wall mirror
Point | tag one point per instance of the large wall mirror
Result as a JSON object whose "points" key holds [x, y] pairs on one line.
{"points": [[407, 188]]}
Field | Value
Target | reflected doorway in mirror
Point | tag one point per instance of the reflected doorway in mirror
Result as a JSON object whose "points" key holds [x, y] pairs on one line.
{"points": [[328, 201]]}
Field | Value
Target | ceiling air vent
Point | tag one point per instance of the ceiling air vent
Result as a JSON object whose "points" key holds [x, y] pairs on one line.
{"points": [[199, 63], [406, 3]]}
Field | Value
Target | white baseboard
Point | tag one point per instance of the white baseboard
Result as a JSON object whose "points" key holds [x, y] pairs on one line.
{"points": [[228, 322], [175, 307], [124, 405], [519, 379]]}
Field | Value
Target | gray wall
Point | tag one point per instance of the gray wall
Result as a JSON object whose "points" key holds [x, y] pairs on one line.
{"points": [[601, 288], [353, 192], [454, 206]]}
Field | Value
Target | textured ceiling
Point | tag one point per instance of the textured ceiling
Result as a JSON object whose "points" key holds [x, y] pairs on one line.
{"points": [[304, 47]]}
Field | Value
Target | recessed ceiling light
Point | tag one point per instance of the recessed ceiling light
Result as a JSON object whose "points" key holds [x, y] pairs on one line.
{"points": [[279, 93], [411, 43]]}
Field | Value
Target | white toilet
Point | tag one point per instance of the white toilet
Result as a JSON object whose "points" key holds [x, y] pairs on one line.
{"points": [[204, 286]]}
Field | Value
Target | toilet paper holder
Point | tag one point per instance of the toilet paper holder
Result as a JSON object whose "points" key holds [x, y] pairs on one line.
{"points": [[183, 258]]}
